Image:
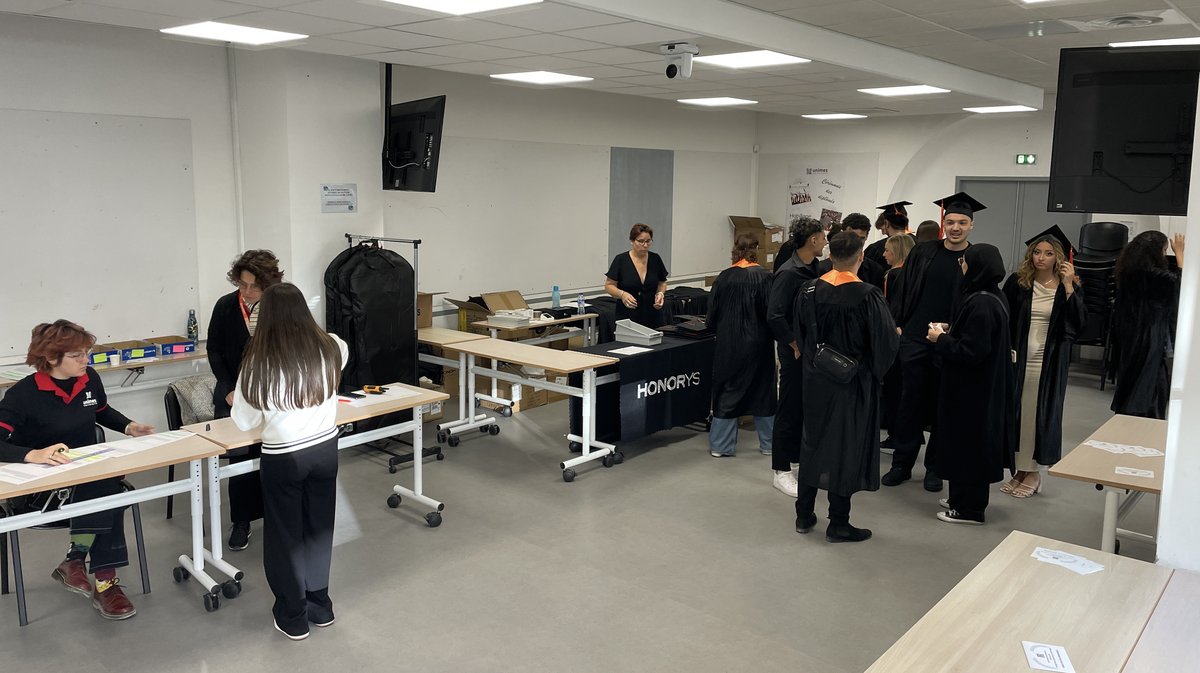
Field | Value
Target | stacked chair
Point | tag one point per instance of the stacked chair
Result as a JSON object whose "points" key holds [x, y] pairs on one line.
{"points": [[1100, 244]]}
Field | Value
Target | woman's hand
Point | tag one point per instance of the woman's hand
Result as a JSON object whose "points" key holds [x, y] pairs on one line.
{"points": [[936, 329], [229, 398], [659, 298], [1066, 274], [51, 455], [629, 300], [139, 429], [1177, 246]]}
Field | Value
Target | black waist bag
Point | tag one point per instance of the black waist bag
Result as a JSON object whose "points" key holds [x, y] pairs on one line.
{"points": [[837, 366]]}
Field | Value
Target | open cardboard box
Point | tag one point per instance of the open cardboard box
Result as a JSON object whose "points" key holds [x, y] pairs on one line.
{"points": [[479, 308], [770, 237]]}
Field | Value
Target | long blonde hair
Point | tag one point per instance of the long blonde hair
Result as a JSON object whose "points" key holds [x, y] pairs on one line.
{"points": [[1026, 272], [900, 245]]}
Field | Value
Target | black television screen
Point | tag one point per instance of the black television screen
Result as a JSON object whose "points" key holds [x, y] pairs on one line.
{"points": [[411, 145], [1123, 127]]}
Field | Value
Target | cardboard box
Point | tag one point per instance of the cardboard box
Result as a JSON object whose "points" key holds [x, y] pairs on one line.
{"points": [[479, 308], [425, 308], [131, 350], [434, 411], [102, 354], [709, 280], [770, 237], [173, 345]]}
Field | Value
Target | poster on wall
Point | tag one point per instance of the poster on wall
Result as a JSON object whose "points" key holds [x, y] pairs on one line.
{"points": [[340, 198], [816, 190]]}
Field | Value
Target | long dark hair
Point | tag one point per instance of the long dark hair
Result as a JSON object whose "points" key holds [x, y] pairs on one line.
{"points": [[290, 363], [1144, 252]]}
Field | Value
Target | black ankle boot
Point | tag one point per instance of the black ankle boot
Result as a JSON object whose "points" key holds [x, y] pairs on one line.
{"points": [[844, 532], [804, 524]]}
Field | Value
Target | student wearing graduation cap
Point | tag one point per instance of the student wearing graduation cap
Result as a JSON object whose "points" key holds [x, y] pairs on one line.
{"points": [[892, 221], [931, 280], [1046, 312]]}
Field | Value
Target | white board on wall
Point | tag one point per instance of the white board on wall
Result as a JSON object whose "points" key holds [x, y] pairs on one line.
{"points": [[99, 227]]}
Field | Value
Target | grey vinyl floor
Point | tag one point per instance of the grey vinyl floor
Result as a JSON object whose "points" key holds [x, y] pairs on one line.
{"points": [[673, 561]]}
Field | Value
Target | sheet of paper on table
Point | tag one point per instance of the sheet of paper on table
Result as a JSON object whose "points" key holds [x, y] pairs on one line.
{"points": [[1135, 472], [20, 473], [630, 350], [1139, 451], [1043, 657], [1072, 562], [392, 393]]}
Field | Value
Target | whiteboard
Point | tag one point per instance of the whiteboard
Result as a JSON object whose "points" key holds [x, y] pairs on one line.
{"points": [[99, 226]]}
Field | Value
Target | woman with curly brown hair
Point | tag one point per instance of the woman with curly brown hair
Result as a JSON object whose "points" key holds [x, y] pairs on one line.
{"points": [[56, 409], [232, 324], [1046, 313]]}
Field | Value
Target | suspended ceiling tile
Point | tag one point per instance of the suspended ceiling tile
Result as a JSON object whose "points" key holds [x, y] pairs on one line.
{"points": [[376, 13], [392, 39], [541, 62], [781, 5], [641, 90], [549, 17], [615, 56], [842, 12], [922, 7], [603, 71], [29, 6], [546, 43], [295, 23], [201, 10], [114, 16], [414, 58], [630, 33], [324, 45], [475, 68], [475, 52], [962, 19], [895, 26], [465, 30], [270, 4]]}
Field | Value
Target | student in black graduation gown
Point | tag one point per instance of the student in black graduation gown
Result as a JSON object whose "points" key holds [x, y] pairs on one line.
{"points": [[785, 253], [973, 438], [233, 322], [870, 271], [1046, 312], [926, 294], [638, 280], [808, 240], [895, 253], [744, 363], [1144, 316], [892, 221], [839, 452]]}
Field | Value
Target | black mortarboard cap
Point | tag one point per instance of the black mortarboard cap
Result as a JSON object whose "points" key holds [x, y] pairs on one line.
{"points": [[1057, 234], [960, 203], [895, 212]]}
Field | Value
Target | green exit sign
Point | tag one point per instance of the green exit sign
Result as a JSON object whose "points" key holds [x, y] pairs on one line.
{"points": [[1026, 159]]}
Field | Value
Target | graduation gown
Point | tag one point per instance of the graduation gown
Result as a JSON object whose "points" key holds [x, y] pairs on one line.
{"points": [[1066, 319], [974, 438], [874, 252], [839, 449], [744, 363], [1144, 342]]}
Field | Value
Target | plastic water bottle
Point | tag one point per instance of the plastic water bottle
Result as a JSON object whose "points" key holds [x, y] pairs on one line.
{"points": [[193, 328], [555, 298], [579, 304]]}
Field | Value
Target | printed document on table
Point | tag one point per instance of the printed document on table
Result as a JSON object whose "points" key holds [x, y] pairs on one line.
{"points": [[1139, 451], [630, 350], [1134, 472], [20, 473], [1043, 657], [1072, 562]]}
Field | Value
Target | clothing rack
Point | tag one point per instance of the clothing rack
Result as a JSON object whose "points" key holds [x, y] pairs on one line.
{"points": [[359, 239]]}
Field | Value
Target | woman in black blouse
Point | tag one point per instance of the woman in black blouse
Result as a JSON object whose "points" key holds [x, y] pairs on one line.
{"points": [[638, 280], [42, 417]]}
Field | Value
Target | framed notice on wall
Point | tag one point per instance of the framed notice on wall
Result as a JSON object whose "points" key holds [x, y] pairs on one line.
{"points": [[341, 198]]}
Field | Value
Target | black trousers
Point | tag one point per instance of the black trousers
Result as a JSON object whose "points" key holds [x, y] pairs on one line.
{"points": [[839, 505], [789, 419], [893, 386], [969, 498], [918, 402], [299, 498], [109, 549], [245, 490]]}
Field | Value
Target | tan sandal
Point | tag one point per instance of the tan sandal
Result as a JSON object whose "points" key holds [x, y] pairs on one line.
{"points": [[1026, 491], [1010, 485]]}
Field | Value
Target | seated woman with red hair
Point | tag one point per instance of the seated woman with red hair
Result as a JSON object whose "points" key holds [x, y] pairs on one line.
{"points": [[55, 409]]}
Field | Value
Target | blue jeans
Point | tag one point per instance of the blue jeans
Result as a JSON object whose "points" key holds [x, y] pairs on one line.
{"points": [[722, 436]]}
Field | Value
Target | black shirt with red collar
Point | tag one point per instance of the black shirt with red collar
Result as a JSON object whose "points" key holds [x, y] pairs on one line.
{"points": [[40, 411]]}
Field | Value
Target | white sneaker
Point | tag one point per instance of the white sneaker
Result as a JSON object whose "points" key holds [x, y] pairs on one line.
{"points": [[786, 483]]}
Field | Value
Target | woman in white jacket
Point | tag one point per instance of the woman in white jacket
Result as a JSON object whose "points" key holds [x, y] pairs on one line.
{"points": [[288, 385]]}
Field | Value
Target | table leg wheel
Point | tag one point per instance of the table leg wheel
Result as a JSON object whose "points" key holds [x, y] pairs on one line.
{"points": [[484, 428], [493, 430], [180, 574], [618, 458], [441, 437], [391, 469], [454, 441], [478, 403], [212, 602], [231, 589], [506, 411], [575, 447], [434, 519], [440, 456], [568, 475], [607, 460], [393, 501]]}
